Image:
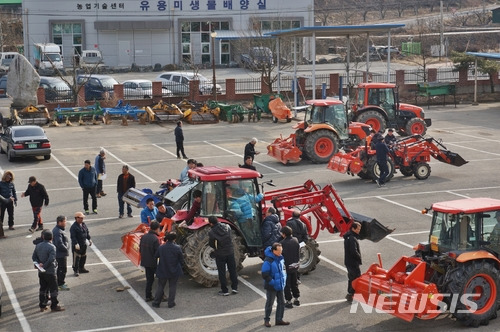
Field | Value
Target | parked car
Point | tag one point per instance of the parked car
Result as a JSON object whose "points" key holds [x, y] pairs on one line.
{"points": [[5, 60], [56, 89], [25, 141], [97, 86], [3, 86], [178, 82], [142, 89]]}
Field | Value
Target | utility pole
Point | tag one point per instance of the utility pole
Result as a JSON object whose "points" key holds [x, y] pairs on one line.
{"points": [[441, 35]]}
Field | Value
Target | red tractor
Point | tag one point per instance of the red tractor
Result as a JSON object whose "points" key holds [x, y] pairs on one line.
{"points": [[320, 209], [324, 130], [377, 104], [457, 270], [411, 155]]}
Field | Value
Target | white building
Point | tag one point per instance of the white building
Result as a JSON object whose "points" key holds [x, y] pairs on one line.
{"points": [[146, 32]]}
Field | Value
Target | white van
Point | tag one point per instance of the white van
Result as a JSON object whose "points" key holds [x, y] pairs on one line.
{"points": [[6, 59]]}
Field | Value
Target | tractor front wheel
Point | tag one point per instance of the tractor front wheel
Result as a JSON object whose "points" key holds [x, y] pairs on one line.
{"points": [[200, 266], [374, 119], [422, 171], [309, 256], [476, 284], [416, 126], [321, 145], [406, 170]]}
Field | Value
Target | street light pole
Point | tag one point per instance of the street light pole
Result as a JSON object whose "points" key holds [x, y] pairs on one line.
{"points": [[213, 34]]}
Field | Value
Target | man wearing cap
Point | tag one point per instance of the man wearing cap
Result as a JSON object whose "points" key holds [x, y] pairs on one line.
{"points": [[390, 139], [250, 149], [100, 168], [87, 178], [38, 197], [79, 235]]}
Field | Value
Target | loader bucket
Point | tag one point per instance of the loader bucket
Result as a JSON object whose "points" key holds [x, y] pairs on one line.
{"points": [[452, 158], [131, 241], [371, 228], [285, 150], [398, 292]]}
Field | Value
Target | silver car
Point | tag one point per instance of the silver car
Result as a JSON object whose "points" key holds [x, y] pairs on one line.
{"points": [[133, 89], [178, 83]]}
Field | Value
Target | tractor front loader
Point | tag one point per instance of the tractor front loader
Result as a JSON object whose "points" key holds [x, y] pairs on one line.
{"points": [[235, 197], [457, 270]]}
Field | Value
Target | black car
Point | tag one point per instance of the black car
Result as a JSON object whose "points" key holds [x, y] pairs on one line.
{"points": [[25, 141], [56, 89]]}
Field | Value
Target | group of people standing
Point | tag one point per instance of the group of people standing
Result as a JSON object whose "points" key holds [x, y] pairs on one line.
{"points": [[50, 258]]}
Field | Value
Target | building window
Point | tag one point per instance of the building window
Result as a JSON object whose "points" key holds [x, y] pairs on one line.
{"points": [[200, 31], [68, 31]]}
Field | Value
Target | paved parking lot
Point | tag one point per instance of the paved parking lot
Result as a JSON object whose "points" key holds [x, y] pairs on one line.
{"points": [[94, 302]]}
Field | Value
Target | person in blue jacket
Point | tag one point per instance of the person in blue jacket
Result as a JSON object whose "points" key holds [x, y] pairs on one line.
{"points": [[273, 272], [87, 178]]}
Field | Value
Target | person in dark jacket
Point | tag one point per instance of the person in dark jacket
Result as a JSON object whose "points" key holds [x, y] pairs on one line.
{"points": [[291, 254], [381, 151], [164, 211], [62, 251], [100, 168], [274, 275], [79, 234], [250, 149], [148, 246], [44, 258], [219, 238], [179, 140], [248, 163], [125, 182], [271, 228], [390, 139], [87, 178], [8, 192], [194, 211], [169, 269], [352, 257], [38, 197], [299, 229]]}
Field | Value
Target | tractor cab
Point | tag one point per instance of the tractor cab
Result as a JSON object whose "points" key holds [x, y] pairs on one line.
{"points": [[465, 230], [384, 97], [327, 111], [231, 194]]}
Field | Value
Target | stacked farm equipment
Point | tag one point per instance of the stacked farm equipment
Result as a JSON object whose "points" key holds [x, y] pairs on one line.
{"points": [[323, 132], [320, 209], [165, 112], [196, 113], [274, 105], [455, 271], [126, 112], [411, 155], [30, 115], [377, 104], [91, 113], [233, 113]]}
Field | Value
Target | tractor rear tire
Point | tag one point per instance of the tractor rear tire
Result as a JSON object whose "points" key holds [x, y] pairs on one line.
{"points": [[406, 170], [374, 171], [321, 145], [309, 256], [275, 119], [374, 119], [475, 277], [198, 263], [364, 175], [416, 126], [422, 171]]}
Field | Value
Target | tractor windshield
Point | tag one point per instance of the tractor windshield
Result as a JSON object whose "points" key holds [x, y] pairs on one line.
{"points": [[243, 208], [334, 115], [455, 232]]}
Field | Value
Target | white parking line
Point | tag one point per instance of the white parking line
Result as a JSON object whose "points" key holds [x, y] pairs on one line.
{"points": [[133, 168], [64, 167], [125, 283], [13, 300], [165, 150], [239, 155]]}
